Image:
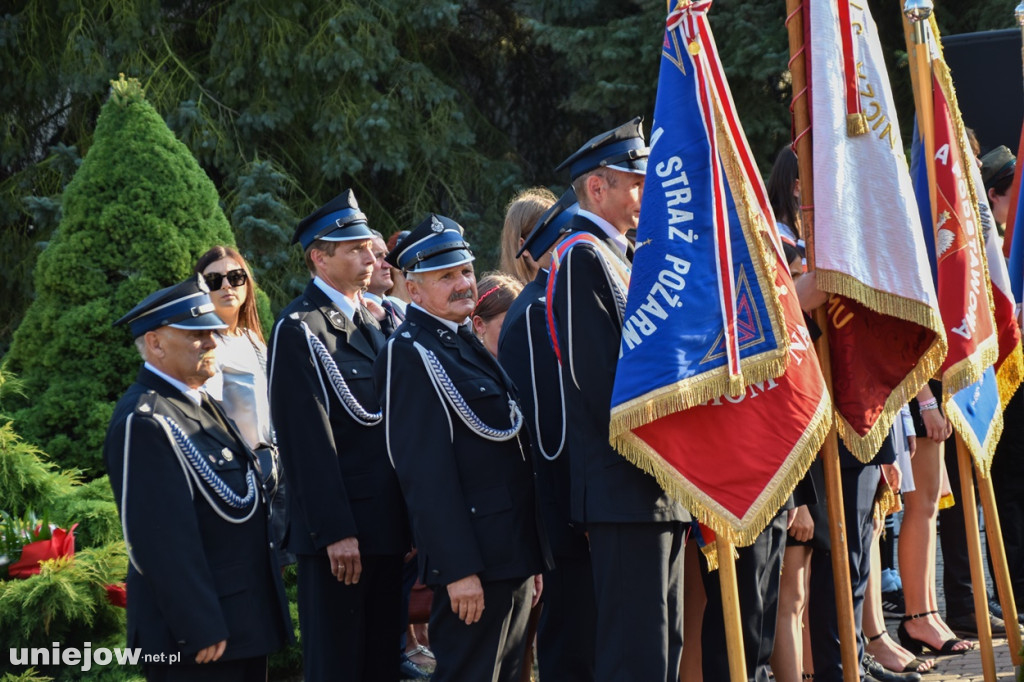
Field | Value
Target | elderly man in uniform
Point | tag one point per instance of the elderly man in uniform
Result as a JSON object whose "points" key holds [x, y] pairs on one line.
{"points": [[347, 521], [565, 636], [454, 436], [205, 599], [635, 529]]}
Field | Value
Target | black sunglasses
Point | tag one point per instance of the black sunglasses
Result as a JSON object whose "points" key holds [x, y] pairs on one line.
{"points": [[236, 278]]}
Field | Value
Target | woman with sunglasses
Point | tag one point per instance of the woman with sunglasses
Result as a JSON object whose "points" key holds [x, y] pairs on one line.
{"points": [[240, 385]]}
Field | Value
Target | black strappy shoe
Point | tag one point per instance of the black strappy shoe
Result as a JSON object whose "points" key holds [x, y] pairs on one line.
{"points": [[915, 646], [913, 667]]}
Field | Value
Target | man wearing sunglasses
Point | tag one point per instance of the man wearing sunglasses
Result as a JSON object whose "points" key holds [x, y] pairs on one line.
{"points": [[347, 521]]}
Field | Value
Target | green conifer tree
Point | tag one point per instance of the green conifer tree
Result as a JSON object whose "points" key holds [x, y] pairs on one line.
{"points": [[136, 216]]}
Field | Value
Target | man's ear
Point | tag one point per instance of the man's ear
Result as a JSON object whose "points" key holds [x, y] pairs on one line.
{"points": [[412, 287], [595, 186], [154, 344]]}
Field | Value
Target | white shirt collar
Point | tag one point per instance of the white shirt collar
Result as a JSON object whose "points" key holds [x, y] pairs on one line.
{"points": [[454, 326], [344, 303], [609, 229], [372, 297], [192, 394]]}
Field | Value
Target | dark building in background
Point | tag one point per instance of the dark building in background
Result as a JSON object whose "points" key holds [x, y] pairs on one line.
{"points": [[987, 75]]}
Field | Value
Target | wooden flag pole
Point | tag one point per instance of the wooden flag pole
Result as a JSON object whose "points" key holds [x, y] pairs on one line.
{"points": [[830, 449], [1000, 569], [988, 656], [731, 609], [915, 19]]}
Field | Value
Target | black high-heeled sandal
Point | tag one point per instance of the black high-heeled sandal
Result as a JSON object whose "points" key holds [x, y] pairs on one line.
{"points": [[915, 646], [913, 667]]}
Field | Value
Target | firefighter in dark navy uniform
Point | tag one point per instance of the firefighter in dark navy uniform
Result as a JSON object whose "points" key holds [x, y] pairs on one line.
{"points": [[565, 635], [635, 530], [455, 437], [205, 599], [347, 521]]}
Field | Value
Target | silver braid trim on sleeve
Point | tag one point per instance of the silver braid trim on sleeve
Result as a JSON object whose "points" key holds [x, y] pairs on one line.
{"points": [[199, 470], [359, 413], [444, 386]]}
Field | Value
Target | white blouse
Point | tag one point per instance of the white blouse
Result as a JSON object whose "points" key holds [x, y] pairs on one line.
{"points": [[240, 386]]}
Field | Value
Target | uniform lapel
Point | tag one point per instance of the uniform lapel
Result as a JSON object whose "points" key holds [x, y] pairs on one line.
{"points": [[582, 224], [195, 413], [339, 321]]}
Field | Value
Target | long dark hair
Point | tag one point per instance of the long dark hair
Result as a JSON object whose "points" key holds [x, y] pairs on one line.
{"points": [[248, 316], [781, 181]]}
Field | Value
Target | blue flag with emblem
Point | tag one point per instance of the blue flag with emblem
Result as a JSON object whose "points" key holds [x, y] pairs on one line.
{"points": [[712, 334]]}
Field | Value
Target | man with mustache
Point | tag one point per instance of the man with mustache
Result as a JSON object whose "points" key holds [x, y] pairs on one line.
{"points": [[347, 521], [205, 599], [455, 436]]}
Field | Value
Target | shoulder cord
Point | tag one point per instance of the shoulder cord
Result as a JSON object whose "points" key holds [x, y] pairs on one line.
{"points": [[188, 479], [194, 464], [444, 386], [536, 402], [359, 413]]}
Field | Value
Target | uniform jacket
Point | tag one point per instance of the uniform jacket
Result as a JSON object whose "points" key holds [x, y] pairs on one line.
{"points": [[340, 482], [605, 486], [471, 500], [524, 351], [194, 579]]}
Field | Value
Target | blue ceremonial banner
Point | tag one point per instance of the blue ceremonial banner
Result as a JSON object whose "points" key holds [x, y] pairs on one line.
{"points": [[712, 335], [674, 338]]}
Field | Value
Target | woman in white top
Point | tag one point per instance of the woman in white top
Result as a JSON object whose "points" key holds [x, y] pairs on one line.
{"points": [[240, 385]]}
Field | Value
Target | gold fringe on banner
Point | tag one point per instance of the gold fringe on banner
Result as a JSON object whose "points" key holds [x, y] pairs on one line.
{"points": [[1010, 375], [865, 446], [741, 531], [856, 124], [710, 552]]}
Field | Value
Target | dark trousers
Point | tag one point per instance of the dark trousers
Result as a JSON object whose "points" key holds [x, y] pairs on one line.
{"points": [[349, 631], [1008, 485], [638, 582], [568, 622], [758, 569], [489, 650], [859, 485], [241, 670]]}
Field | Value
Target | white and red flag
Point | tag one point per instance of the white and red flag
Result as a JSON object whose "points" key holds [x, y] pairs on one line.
{"points": [[884, 327]]}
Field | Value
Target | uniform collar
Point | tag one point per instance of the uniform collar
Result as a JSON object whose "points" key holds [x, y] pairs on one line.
{"points": [[192, 394], [454, 326], [609, 229], [343, 302]]}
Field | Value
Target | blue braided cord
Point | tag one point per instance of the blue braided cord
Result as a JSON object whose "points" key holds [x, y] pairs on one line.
{"points": [[462, 408], [209, 476], [341, 389]]}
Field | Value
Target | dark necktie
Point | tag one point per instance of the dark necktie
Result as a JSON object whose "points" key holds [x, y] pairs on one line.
{"points": [[361, 318], [394, 313], [211, 410]]}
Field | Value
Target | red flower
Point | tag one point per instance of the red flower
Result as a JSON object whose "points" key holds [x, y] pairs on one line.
{"points": [[60, 544], [117, 595]]}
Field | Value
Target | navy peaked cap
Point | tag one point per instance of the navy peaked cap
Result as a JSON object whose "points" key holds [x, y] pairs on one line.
{"points": [[185, 305], [339, 220], [551, 225], [996, 165], [623, 149], [434, 244]]}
